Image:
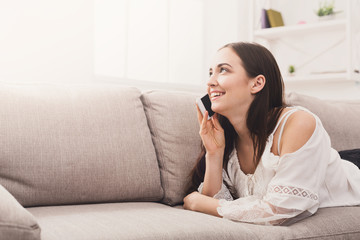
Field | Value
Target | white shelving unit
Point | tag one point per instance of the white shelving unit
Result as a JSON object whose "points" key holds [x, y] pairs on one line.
{"points": [[277, 32], [311, 41]]}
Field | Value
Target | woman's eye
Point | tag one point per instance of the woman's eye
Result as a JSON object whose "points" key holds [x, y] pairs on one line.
{"points": [[223, 70], [210, 74]]}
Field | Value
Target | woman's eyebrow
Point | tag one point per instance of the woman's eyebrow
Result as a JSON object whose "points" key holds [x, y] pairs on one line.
{"points": [[222, 64]]}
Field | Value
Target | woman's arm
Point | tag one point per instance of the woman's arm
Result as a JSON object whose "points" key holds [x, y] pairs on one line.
{"points": [[213, 138], [198, 202], [213, 174]]}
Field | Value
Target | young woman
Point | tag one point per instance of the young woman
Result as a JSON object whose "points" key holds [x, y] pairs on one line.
{"points": [[262, 161]]}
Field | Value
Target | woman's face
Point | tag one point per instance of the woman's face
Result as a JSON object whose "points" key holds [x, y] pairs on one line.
{"points": [[229, 87]]}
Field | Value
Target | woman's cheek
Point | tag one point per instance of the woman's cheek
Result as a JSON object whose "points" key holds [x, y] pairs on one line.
{"points": [[224, 82]]}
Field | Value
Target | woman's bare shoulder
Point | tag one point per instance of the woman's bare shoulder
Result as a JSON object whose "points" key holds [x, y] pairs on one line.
{"points": [[297, 131]]}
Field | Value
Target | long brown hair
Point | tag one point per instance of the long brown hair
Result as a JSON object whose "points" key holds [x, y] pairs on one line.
{"points": [[263, 112]]}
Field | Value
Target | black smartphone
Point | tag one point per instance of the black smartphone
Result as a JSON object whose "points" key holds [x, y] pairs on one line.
{"points": [[204, 104]]}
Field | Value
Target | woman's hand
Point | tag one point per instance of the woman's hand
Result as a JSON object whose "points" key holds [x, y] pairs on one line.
{"points": [[191, 201], [195, 201], [213, 138], [211, 133]]}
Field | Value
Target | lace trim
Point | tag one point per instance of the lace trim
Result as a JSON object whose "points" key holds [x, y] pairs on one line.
{"points": [[295, 191], [224, 192]]}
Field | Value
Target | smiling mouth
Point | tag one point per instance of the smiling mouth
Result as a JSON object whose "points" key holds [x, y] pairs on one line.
{"points": [[216, 95]]}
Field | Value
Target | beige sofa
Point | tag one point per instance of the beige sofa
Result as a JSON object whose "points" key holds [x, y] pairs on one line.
{"points": [[109, 162]]}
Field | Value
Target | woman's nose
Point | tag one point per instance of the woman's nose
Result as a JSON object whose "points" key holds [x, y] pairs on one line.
{"points": [[212, 81]]}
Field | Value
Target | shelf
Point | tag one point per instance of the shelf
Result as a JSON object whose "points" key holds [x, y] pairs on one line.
{"points": [[308, 28], [332, 43], [328, 77]]}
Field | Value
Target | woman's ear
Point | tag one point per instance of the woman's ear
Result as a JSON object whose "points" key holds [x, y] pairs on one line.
{"points": [[258, 84]]}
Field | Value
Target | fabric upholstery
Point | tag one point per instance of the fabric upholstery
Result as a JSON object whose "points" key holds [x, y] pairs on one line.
{"points": [[175, 132], [329, 223], [158, 221], [92, 144], [16, 223], [150, 221], [340, 118], [63, 144], [352, 155]]}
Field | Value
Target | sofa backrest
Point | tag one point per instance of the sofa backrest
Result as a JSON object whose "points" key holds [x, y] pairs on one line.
{"points": [[76, 144], [340, 118], [87, 144], [175, 132]]}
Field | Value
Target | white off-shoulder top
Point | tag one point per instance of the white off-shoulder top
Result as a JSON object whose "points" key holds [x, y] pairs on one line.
{"points": [[285, 189]]}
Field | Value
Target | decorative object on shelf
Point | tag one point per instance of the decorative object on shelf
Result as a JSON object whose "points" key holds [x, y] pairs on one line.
{"points": [[301, 22], [275, 18], [326, 11], [291, 69], [264, 19]]}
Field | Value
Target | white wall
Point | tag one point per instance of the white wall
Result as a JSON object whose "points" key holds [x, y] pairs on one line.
{"points": [[46, 40], [159, 41], [75, 41], [166, 42], [225, 23]]}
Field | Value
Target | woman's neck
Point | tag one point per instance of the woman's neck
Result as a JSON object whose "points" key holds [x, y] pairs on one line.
{"points": [[244, 143], [245, 153], [240, 126]]}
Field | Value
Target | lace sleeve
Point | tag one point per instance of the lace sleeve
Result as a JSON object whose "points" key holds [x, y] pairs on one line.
{"points": [[262, 211], [224, 192], [292, 194]]}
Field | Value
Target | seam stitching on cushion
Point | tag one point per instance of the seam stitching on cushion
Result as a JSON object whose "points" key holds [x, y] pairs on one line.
{"points": [[328, 235], [143, 103], [31, 228], [159, 152]]}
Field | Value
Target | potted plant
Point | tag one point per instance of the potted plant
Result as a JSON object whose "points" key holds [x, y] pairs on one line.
{"points": [[291, 70], [326, 10]]}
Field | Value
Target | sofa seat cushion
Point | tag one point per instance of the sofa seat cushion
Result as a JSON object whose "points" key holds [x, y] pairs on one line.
{"points": [[15, 221], [67, 144], [159, 221], [133, 221]]}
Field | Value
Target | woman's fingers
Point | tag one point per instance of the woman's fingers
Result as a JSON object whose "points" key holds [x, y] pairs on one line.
{"points": [[208, 128], [199, 115], [211, 133], [216, 122], [204, 120]]}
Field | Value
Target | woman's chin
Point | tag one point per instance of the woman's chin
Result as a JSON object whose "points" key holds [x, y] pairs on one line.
{"points": [[219, 110], [216, 109]]}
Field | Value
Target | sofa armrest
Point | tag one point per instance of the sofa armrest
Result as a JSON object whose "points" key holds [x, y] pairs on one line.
{"points": [[15, 221]]}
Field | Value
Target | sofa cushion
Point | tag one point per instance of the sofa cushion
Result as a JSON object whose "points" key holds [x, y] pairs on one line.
{"points": [[329, 223], [15, 221], [63, 144], [158, 221], [352, 155], [340, 118], [175, 132], [150, 221]]}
